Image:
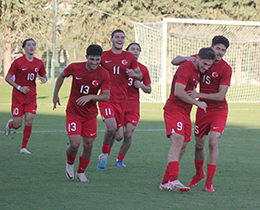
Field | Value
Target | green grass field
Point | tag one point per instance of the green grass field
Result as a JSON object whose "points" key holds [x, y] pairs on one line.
{"points": [[38, 181]]}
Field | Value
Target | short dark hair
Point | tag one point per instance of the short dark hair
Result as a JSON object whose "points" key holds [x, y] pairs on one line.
{"points": [[207, 53], [117, 31], [220, 40], [94, 49], [25, 41], [133, 44]]}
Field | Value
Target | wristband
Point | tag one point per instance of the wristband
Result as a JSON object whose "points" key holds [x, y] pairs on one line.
{"points": [[18, 87]]}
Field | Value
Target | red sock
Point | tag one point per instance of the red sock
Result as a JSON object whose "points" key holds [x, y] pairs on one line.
{"points": [[26, 135], [166, 176], [199, 167], [120, 156], [11, 124], [211, 169], [70, 158], [83, 164], [105, 148], [173, 168]]}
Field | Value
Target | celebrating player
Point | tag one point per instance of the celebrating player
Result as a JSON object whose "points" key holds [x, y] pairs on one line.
{"points": [[177, 113], [132, 115], [214, 85], [81, 112], [25, 70], [120, 64]]}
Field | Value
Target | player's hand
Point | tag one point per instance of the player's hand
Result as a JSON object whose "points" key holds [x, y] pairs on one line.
{"points": [[190, 58], [130, 72], [55, 100], [25, 89], [43, 79], [202, 105], [83, 100], [192, 93], [137, 84]]}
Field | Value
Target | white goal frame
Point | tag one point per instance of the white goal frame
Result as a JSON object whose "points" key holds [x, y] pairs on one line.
{"points": [[164, 45]]}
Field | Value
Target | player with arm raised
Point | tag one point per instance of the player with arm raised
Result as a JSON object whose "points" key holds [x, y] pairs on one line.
{"points": [[214, 85], [25, 70], [132, 109], [81, 112], [177, 113], [121, 65]]}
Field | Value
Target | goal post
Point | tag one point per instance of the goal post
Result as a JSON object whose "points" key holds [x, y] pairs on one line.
{"points": [[162, 41]]}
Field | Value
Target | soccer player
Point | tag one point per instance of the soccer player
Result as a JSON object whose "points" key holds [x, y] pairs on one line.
{"points": [[132, 115], [24, 70], [120, 64], [81, 113], [214, 85], [177, 113]]}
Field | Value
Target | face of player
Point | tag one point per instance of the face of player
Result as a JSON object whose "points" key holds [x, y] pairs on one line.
{"points": [[118, 40], [30, 47], [204, 65], [93, 62], [135, 49], [220, 50]]}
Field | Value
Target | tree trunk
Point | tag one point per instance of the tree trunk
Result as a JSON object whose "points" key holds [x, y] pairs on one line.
{"points": [[7, 57]]}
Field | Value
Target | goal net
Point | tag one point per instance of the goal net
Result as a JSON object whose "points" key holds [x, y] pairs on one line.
{"points": [[162, 41]]}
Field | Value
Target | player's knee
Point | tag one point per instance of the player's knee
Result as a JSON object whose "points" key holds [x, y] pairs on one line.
{"points": [[213, 145], [111, 130], [199, 146], [17, 124]]}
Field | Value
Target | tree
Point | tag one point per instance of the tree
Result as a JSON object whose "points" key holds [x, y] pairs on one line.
{"points": [[20, 20]]}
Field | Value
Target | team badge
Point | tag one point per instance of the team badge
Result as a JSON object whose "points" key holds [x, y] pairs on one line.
{"points": [[214, 74], [95, 83], [124, 62]]}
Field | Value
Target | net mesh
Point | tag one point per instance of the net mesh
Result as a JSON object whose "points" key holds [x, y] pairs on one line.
{"points": [[185, 39]]}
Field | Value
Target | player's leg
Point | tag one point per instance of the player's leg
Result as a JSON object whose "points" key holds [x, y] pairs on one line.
{"points": [[16, 122], [108, 141], [27, 131], [212, 159], [217, 127], [84, 158], [173, 163], [74, 130], [125, 144], [201, 130], [71, 152], [120, 134], [199, 160]]}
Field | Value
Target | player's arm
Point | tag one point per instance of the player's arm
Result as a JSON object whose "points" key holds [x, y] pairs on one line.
{"points": [[104, 96], [58, 85], [23, 89], [43, 79], [136, 73], [178, 60], [179, 91], [219, 96], [145, 88]]}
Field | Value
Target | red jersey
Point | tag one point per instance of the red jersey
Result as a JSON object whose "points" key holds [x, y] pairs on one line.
{"points": [[189, 76], [133, 92], [25, 75], [117, 64], [84, 83], [218, 74]]}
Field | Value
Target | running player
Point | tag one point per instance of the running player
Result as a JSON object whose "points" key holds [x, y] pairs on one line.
{"points": [[81, 112], [132, 115], [121, 65], [24, 70]]}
